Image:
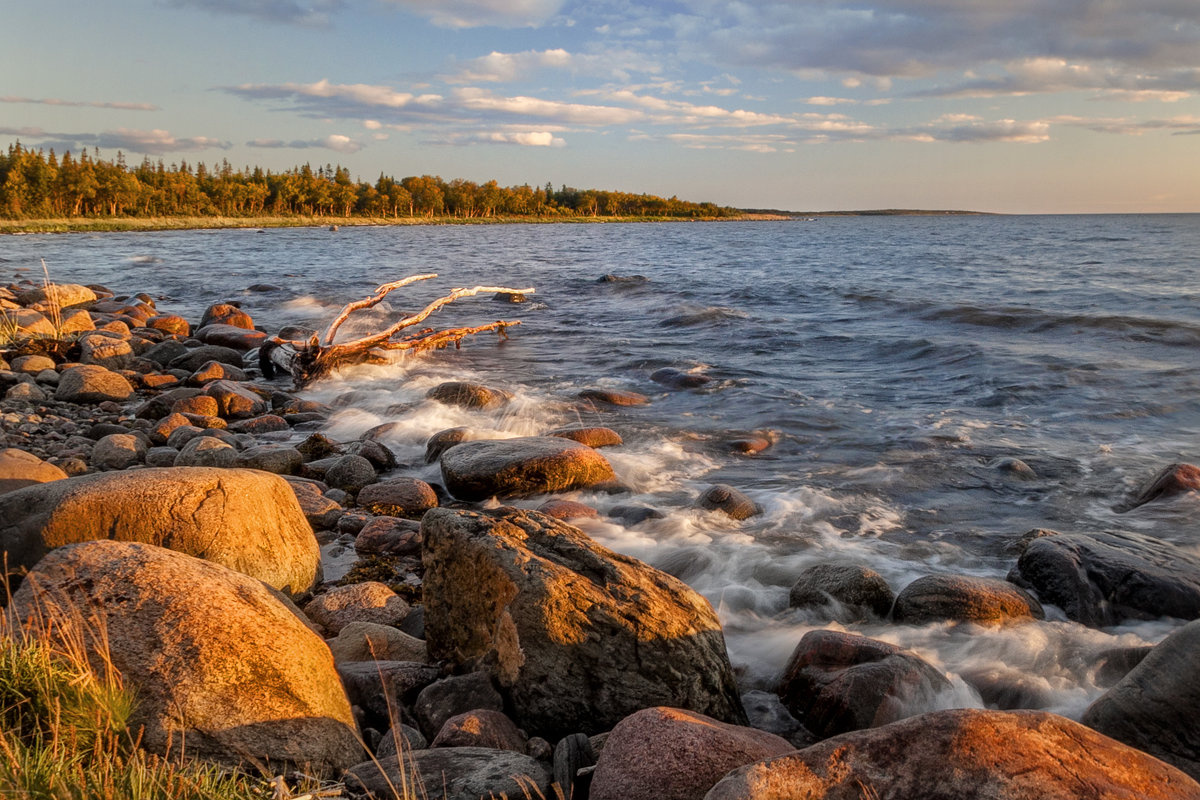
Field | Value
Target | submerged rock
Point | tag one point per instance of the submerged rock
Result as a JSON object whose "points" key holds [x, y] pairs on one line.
{"points": [[522, 467], [729, 500], [964, 598], [576, 636], [468, 395], [855, 587], [1171, 480]]}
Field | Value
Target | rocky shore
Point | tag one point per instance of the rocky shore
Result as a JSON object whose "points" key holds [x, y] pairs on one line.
{"points": [[164, 506]]}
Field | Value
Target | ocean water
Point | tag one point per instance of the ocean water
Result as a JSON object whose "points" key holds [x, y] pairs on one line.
{"points": [[897, 364]]}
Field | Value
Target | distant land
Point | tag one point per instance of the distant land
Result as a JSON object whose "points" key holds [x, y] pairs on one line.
{"points": [[873, 212]]}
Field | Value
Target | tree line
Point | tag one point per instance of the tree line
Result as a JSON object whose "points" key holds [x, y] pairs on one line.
{"points": [[39, 185]]}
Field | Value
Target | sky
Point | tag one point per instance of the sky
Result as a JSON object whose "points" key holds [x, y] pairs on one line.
{"points": [[1013, 106]]}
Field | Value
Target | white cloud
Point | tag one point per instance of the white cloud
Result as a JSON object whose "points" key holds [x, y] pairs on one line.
{"points": [[522, 138], [336, 142], [52, 101], [504, 67]]}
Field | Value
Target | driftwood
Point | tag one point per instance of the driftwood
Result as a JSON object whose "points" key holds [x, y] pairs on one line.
{"points": [[308, 359]]}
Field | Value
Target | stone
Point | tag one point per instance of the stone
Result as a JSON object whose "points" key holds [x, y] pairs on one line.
{"points": [[522, 467], [350, 473], [75, 320], [729, 501], [449, 697], [31, 365], [370, 641], [768, 713], [226, 314], [321, 512], [246, 520], [458, 773], [25, 393], [91, 383], [399, 497], [169, 323], [575, 635], [1171, 480], [19, 469], [59, 295], [390, 536], [114, 354], [855, 587], [568, 509], [257, 426], [964, 598], [281, 459], [25, 322], [206, 451], [481, 727], [410, 739], [678, 379], [670, 754], [963, 753], [837, 682], [235, 400], [380, 457], [211, 371], [371, 601], [195, 358], [231, 336], [1154, 707], [592, 437], [468, 395], [442, 441], [1101, 579], [200, 404], [385, 690], [166, 351], [231, 671], [614, 397], [118, 451]]}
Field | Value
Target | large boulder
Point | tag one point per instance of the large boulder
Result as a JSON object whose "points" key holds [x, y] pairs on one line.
{"points": [[964, 598], [221, 666], [522, 467], [247, 520], [1101, 579], [837, 682], [1154, 707], [19, 469], [963, 753], [91, 383], [670, 754], [577, 636]]}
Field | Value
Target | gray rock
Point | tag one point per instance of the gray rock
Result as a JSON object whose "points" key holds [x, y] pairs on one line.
{"points": [[118, 451], [857, 588], [459, 773], [350, 473]]}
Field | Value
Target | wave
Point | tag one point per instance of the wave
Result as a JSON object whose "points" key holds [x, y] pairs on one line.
{"points": [[712, 315]]}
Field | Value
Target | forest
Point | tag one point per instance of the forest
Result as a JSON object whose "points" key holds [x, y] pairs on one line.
{"points": [[40, 185]]}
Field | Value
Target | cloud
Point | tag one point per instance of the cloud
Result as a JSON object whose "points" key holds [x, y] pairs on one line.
{"points": [[1123, 126], [504, 67], [1047, 75], [522, 138], [314, 13], [336, 142], [51, 101], [480, 13], [152, 142], [354, 100]]}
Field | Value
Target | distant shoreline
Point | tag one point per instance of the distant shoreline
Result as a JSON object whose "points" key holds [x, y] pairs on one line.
{"points": [[140, 224]]}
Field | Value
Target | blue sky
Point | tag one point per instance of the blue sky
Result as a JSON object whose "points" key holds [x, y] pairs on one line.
{"points": [[1038, 106]]}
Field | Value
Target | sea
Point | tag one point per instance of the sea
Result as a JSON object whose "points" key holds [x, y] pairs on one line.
{"points": [[900, 365]]}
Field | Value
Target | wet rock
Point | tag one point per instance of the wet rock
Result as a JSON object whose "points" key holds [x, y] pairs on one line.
{"points": [[1005, 688], [522, 467], [567, 509], [257, 426], [449, 697], [390, 536], [468, 395], [350, 473], [246, 520], [768, 713], [856, 587], [206, 451], [837, 682], [370, 641], [610, 278], [195, 358], [91, 383], [632, 515], [399, 497], [19, 469], [592, 437], [750, 445], [963, 753], [236, 401], [359, 602], [442, 441], [670, 754], [318, 446], [614, 397], [1014, 467], [1115, 664], [1154, 707], [578, 641], [226, 314], [202, 404], [459, 773], [169, 323], [728, 500], [481, 727], [1171, 480], [380, 457], [118, 451], [231, 669], [1101, 579], [964, 598], [166, 351], [281, 459], [678, 379], [230, 336]]}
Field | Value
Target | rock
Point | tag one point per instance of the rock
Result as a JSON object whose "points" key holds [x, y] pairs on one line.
{"points": [[577, 637], [114, 354], [359, 602], [200, 404], [58, 295], [31, 365], [169, 323], [118, 451], [481, 727], [236, 401], [410, 739], [231, 670], [964, 598], [857, 588], [385, 689], [1013, 467], [768, 713], [91, 383], [468, 395], [1101, 579], [633, 514], [1169, 481], [26, 393], [837, 682], [206, 451], [248, 521], [391, 536], [281, 459], [732, 502], [318, 446], [1006, 688], [19, 469], [442, 441], [75, 320], [321, 512], [25, 322], [226, 314], [257, 426], [678, 379], [567, 509], [380, 457], [750, 445], [592, 437], [1154, 707], [963, 753], [614, 397], [399, 497], [166, 351], [370, 641], [1113, 665], [195, 358], [449, 697], [670, 754], [458, 773], [161, 456], [350, 473], [211, 371], [230, 336], [522, 467]]}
